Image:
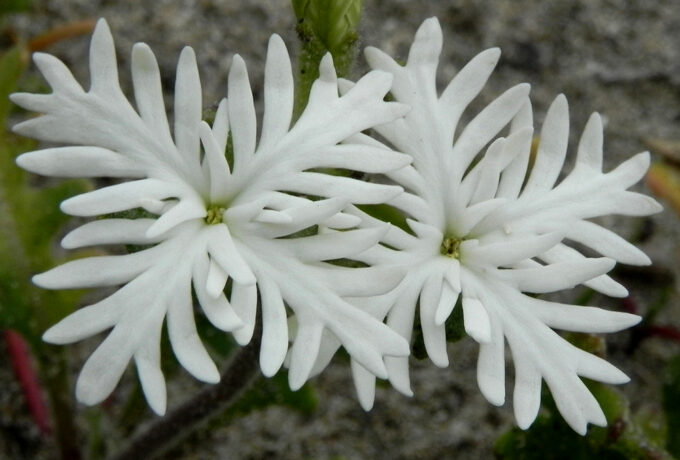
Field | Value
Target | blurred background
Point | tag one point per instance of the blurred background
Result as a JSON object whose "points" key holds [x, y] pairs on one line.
{"points": [[617, 57]]}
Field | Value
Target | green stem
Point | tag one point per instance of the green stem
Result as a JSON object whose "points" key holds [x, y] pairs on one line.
{"points": [[324, 26]]}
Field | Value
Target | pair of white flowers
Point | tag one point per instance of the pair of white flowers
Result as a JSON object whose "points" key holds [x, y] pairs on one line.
{"points": [[482, 225]]}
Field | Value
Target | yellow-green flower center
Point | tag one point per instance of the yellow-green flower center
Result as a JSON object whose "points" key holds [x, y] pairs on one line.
{"points": [[215, 215], [451, 247]]}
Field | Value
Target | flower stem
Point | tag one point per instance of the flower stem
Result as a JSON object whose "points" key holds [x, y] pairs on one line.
{"points": [[324, 26], [212, 401]]}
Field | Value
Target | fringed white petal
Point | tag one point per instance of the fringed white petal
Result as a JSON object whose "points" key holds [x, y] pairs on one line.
{"points": [[447, 302], [103, 66], [79, 162], [485, 126], [357, 158], [244, 302], [364, 383], [109, 231], [278, 94], [476, 320], [274, 328], [218, 168], [355, 191], [467, 84], [304, 352], [590, 147], [241, 113], [434, 335], [223, 251], [552, 148], [148, 363], [115, 198], [57, 75], [185, 341], [334, 245], [146, 80], [96, 271], [591, 320], [84, 323], [606, 242], [558, 276], [188, 107], [491, 365], [217, 309]]}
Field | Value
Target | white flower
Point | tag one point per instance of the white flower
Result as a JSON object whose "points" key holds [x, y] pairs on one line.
{"points": [[478, 233], [214, 221]]}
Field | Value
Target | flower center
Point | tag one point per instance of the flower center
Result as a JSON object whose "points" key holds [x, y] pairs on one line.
{"points": [[215, 215], [451, 247]]}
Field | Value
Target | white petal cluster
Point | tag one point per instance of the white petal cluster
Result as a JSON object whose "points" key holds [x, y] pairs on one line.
{"points": [[212, 220], [225, 213], [486, 229]]}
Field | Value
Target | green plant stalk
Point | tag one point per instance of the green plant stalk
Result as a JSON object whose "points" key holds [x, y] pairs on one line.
{"points": [[324, 26]]}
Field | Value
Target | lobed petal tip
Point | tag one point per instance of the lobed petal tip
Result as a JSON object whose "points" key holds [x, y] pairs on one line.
{"points": [[596, 118], [237, 63], [522, 88], [66, 206], [42, 280], [560, 99], [491, 55], [101, 22], [159, 409], [495, 400], [524, 425], [212, 377], [14, 97], [326, 69], [68, 242], [493, 51], [632, 319], [370, 52], [644, 158], [187, 53], [431, 23], [276, 40], [140, 50], [51, 336], [367, 403], [40, 57], [23, 160], [86, 394]]}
